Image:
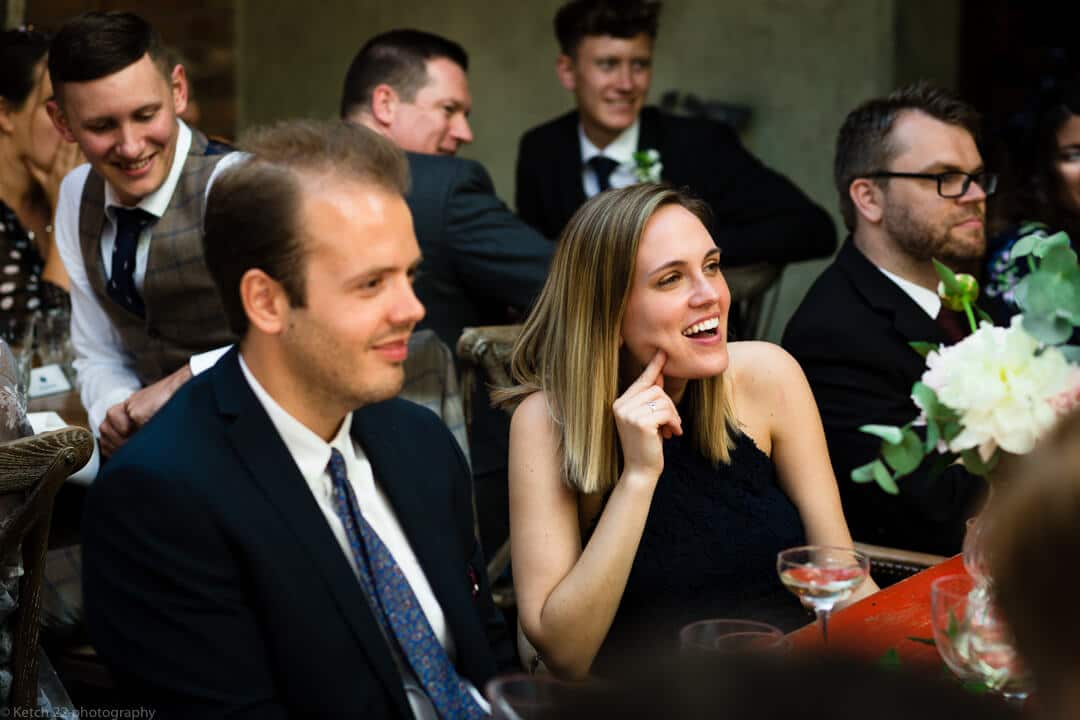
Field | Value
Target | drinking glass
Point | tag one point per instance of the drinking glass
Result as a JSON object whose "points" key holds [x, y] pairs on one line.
{"points": [[822, 576], [731, 636], [54, 339], [525, 697], [19, 335], [973, 639]]}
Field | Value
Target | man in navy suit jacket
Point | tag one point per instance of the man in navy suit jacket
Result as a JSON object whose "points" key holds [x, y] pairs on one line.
{"points": [[224, 575], [482, 264], [606, 62]]}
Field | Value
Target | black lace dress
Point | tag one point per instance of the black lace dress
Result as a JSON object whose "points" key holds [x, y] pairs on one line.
{"points": [[708, 551], [22, 291]]}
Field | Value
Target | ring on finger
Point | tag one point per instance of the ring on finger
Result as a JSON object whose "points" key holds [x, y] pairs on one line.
{"points": [[651, 405]]}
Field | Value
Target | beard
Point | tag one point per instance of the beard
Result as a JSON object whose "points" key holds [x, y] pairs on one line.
{"points": [[923, 240]]}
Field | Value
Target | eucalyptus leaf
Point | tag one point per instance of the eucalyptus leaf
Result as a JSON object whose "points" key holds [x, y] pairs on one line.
{"points": [[864, 473], [924, 640], [1071, 353], [890, 659], [905, 456], [1032, 226], [888, 433], [923, 348], [1024, 246], [1049, 330], [950, 430], [927, 399], [884, 479], [933, 434], [1045, 244]]}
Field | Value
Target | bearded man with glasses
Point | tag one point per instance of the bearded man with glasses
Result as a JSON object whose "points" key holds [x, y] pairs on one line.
{"points": [[912, 188]]}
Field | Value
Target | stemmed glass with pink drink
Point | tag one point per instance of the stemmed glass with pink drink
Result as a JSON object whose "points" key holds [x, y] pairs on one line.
{"points": [[822, 576]]}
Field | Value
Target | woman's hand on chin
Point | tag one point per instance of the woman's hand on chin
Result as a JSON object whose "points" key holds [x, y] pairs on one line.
{"points": [[644, 415]]}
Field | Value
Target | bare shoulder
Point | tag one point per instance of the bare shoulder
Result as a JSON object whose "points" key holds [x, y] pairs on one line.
{"points": [[759, 368], [533, 414], [533, 426]]}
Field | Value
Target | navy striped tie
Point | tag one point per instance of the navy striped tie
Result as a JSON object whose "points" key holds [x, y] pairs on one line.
{"points": [[130, 222]]}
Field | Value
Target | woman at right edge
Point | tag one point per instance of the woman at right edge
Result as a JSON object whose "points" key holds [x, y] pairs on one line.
{"points": [[655, 469]]}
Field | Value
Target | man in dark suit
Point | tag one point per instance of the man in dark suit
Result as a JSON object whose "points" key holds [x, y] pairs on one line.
{"points": [[912, 188], [482, 265], [285, 538], [606, 62]]}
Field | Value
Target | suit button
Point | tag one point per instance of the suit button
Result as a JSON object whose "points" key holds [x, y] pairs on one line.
{"points": [[153, 333]]}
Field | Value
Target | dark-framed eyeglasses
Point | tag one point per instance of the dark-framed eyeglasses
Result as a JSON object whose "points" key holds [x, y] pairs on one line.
{"points": [[950, 184]]}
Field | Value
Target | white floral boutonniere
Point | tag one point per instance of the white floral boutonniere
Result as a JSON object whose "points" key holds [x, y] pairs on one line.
{"points": [[647, 165]]}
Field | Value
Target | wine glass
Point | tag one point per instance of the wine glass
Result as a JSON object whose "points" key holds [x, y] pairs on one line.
{"points": [[730, 636], [822, 576], [973, 639], [525, 697]]}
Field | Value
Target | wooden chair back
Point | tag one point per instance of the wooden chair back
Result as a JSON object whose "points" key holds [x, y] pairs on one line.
{"points": [[34, 468]]}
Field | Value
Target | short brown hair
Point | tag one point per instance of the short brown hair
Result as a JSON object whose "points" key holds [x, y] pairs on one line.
{"points": [[253, 208], [397, 58], [624, 19], [863, 145]]}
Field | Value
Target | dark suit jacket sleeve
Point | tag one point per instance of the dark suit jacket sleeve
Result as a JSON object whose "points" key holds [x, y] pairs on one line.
{"points": [[501, 638], [759, 215], [493, 249], [527, 191], [164, 602]]}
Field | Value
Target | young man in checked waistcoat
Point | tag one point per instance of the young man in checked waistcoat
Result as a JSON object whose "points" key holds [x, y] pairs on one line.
{"points": [[129, 222]]}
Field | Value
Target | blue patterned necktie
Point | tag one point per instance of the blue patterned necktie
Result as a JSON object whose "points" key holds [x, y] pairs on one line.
{"points": [[130, 222], [602, 168], [401, 616]]}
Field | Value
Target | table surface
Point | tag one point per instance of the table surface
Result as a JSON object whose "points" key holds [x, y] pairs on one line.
{"points": [[67, 405], [885, 620]]}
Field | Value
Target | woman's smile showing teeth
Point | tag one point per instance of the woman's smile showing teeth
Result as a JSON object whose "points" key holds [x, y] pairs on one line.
{"points": [[705, 328]]}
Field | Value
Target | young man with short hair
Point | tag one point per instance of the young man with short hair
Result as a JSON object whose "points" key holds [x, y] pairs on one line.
{"points": [[128, 223]]}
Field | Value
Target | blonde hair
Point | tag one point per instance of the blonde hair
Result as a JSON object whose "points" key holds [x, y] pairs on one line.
{"points": [[569, 346]]}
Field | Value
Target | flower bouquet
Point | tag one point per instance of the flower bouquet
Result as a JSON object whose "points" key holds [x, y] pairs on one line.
{"points": [[1000, 388]]}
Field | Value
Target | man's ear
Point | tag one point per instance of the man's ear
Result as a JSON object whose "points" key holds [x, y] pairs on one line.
{"points": [[564, 68], [869, 199], [59, 120], [384, 104], [179, 84], [265, 302]]}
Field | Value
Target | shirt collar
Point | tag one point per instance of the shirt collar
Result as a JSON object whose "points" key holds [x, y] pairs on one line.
{"points": [[621, 149], [310, 452], [157, 202], [926, 299]]}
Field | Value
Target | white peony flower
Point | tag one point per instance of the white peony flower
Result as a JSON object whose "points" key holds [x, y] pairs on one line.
{"points": [[1002, 389]]}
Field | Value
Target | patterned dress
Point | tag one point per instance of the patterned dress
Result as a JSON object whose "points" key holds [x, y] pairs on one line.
{"points": [[22, 291]]}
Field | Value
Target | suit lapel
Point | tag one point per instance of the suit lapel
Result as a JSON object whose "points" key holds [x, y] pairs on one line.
{"points": [[568, 184], [881, 293], [423, 518], [260, 449], [651, 135]]}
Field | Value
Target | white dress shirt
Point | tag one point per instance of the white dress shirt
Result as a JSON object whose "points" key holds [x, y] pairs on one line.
{"points": [[926, 299], [312, 455], [621, 150], [106, 372]]}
